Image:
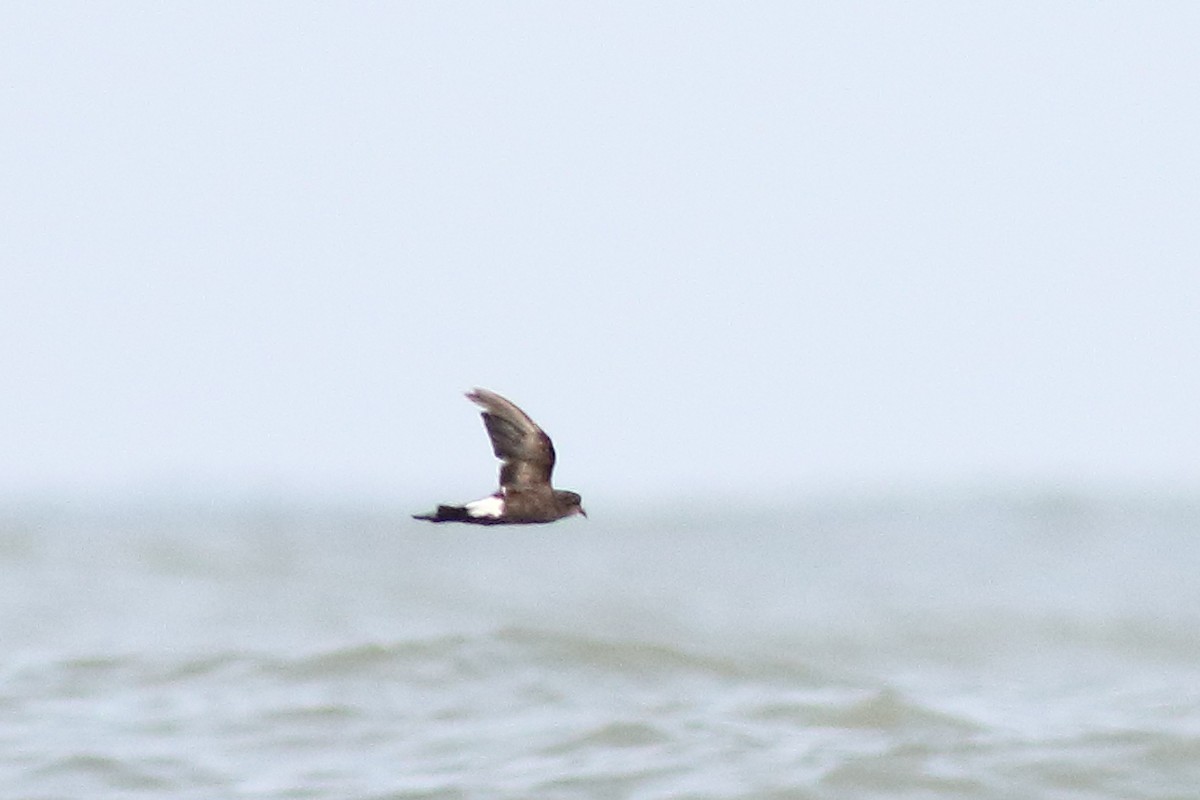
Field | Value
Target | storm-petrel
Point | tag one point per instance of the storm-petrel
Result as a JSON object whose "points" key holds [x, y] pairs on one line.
{"points": [[527, 459]]}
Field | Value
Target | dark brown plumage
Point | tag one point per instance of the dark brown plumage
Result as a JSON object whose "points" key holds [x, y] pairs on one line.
{"points": [[527, 462]]}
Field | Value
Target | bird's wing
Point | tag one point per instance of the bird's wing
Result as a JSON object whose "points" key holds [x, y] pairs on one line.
{"points": [[524, 448]]}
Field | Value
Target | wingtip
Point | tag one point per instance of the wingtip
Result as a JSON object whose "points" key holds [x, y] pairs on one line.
{"points": [[480, 396]]}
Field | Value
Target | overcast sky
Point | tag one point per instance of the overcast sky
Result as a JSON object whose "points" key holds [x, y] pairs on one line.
{"points": [[745, 248]]}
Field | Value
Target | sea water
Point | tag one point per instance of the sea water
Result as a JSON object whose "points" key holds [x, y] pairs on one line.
{"points": [[1013, 645]]}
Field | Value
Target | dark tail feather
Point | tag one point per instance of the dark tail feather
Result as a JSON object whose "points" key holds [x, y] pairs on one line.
{"points": [[446, 514]]}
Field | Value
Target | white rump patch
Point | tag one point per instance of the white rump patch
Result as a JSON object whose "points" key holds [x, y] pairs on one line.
{"points": [[490, 506]]}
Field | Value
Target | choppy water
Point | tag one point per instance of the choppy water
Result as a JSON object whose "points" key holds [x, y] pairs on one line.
{"points": [[1016, 646]]}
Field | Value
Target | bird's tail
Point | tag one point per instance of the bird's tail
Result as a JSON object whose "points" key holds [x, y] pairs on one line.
{"points": [[446, 514]]}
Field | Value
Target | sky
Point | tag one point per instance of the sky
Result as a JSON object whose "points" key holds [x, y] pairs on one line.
{"points": [[756, 250]]}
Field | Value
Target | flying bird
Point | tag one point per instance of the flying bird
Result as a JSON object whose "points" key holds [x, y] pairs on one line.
{"points": [[526, 454]]}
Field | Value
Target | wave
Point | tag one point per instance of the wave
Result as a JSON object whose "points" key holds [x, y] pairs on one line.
{"points": [[564, 713], [819, 657]]}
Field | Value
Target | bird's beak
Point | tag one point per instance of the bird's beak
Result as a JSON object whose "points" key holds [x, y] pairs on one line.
{"points": [[581, 511]]}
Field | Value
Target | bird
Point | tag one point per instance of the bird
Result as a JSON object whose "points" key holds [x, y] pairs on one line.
{"points": [[526, 456]]}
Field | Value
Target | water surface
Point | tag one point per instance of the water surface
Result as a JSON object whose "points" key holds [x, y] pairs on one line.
{"points": [[1021, 645]]}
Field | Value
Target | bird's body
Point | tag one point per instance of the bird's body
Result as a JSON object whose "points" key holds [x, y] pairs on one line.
{"points": [[527, 461]]}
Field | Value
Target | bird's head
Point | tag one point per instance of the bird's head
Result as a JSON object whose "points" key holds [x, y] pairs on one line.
{"points": [[570, 502]]}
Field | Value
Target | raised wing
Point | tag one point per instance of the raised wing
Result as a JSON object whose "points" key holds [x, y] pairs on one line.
{"points": [[526, 453]]}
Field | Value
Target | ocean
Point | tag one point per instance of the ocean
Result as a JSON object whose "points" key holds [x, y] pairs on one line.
{"points": [[1016, 644]]}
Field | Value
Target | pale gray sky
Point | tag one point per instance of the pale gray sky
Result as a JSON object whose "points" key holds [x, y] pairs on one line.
{"points": [[709, 246]]}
